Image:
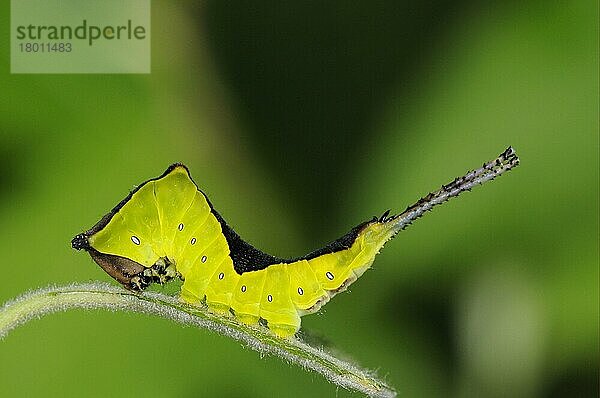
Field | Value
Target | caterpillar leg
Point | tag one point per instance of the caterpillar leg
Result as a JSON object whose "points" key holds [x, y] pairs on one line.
{"points": [[220, 289], [276, 306], [289, 328], [245, 302]]}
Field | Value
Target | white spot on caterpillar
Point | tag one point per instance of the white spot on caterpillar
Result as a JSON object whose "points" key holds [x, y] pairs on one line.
{"points": [[221, 275], [243, 288], [193, 241], [203, 259], [300, 291], [180, 227], [135, 239], [269, 298], [329, 275]]}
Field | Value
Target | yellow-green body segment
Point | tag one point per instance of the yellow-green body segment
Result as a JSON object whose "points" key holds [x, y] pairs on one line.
{"points": [[170, 218]]}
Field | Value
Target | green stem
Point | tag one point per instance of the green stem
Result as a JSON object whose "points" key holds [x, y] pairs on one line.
{"points": [[100, 295]]}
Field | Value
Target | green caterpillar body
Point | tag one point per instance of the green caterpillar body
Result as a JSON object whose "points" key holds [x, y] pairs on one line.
{"points": [[168, 228]]}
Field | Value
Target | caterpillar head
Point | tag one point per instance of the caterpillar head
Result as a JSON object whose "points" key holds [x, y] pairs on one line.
{"points": [[130, 274]]}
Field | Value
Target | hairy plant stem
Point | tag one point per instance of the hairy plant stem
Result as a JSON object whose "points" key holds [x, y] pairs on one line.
{"points": [[101, 295]]}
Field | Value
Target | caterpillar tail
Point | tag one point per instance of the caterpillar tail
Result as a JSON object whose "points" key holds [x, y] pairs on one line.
{"points": [[376, 233], [386, 226], [334, 272]]}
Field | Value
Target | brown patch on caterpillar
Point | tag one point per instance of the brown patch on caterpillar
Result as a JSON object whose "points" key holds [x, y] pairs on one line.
{"points": [[134, 276], [330, 293], [122, 269], [359, 271], [350, 280], [316, 306]]}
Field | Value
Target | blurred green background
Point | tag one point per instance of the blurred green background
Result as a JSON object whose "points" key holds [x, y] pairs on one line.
{"points": [[299, 121]]}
